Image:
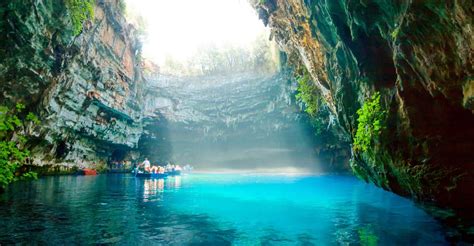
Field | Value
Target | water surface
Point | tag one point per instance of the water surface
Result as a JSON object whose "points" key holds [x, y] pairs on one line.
{"points": [[211, 209]]}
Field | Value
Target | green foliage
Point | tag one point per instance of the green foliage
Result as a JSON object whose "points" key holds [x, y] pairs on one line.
{"points": [[319, 124], [314, 106], [307, 93], [211, 59], [367, 237], [33, 118], [80, 11], [370, 123], [395, 33], [122, 6], [12, 140]]}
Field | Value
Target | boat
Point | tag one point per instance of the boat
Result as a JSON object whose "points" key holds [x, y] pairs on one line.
{"points": [[141, 174], [151, 175], [174, 173], [87, 171]]}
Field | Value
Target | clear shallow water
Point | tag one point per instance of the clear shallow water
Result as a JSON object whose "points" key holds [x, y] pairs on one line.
{"points": [[211, 209]]}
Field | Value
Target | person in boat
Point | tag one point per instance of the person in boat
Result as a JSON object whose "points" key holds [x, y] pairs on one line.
{"points": [[161, 170], [146, 164], [154, 169]]}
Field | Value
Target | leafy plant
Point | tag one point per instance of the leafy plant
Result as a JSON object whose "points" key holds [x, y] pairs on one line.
{"points": [[307, 93], [370, 123], [80, 11], [12, 144]]}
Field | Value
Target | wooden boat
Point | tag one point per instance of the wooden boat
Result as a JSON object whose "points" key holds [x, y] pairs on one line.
{"points": [[174, 173], [151, 175], [87, 171]]}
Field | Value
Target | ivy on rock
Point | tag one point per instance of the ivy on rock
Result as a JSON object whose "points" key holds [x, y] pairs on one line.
{"points": [[371, 118], [307, 93], [13, 153], [80, 11]]}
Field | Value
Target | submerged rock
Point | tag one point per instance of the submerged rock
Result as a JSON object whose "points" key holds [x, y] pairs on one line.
{"points": [[418, 55]]}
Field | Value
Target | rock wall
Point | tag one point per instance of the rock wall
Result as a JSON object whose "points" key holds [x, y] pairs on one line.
{"points": [[235, 120], [418, 55], [85, 88]]}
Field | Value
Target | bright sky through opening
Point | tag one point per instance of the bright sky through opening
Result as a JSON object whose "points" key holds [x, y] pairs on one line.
{"points": [[177, 28]]}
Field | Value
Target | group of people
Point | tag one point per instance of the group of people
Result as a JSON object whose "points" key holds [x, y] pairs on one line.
{"points": [[146, 165]]}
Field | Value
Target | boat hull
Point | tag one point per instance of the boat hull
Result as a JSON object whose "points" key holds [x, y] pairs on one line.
{"points": [[174, 173], [87, 171], [151, 175]]}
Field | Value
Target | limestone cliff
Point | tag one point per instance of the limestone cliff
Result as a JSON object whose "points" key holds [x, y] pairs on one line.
{"points": [[418, 55], [85, 88], [236, 120]]}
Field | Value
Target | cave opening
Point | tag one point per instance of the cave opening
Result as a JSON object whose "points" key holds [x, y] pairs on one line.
{"points": [[61, 149], [218, 96], [118, 155]]}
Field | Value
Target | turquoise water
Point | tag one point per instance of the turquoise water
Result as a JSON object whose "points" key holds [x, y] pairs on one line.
{"points": [[211, 209]]}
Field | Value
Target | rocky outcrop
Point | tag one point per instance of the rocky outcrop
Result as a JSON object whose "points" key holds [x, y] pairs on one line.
{"points": [[85, 88], [418, 55]]}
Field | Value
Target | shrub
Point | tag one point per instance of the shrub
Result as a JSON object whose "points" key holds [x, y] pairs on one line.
{"points": [[12, 140], [79, 11], [307, 93], [370, 123]]}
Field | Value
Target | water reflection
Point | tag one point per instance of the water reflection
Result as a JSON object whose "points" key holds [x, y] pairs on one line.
{"points": [[173, 182], [152, 187]]}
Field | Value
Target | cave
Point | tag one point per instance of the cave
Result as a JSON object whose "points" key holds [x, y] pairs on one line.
{"points": [[118, 155], [61, 150], [240, 122]]}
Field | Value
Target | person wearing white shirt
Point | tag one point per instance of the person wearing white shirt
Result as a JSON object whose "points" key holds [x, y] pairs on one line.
{"points": [[146, 164]]}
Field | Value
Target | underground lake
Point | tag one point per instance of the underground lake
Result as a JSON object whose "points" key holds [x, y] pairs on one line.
{"points": [[212, 209]]}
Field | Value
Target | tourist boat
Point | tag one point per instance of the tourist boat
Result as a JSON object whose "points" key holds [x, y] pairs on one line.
{"points": [[140, 174], [151, 175], [174, 173]]}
